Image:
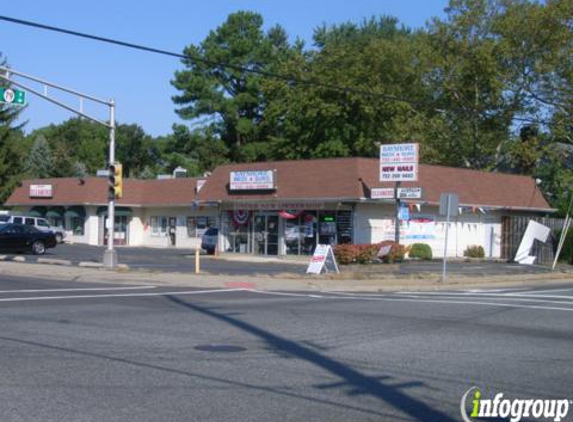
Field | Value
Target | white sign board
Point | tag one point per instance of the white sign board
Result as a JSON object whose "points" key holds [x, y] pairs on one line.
{"points": [[399, 162], [534, 231], [253, 180], [40, 191], [323, 257], [409, 193], [382, 193]]}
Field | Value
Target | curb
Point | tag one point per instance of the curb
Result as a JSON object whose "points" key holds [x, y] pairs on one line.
{"points": [[54, 261]]}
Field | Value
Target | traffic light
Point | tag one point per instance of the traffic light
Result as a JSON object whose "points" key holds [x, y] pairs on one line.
{"points": [[115, 181]]}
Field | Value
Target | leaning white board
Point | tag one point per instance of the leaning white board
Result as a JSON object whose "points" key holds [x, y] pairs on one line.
{"points": [[534, 231], [323, 258]]}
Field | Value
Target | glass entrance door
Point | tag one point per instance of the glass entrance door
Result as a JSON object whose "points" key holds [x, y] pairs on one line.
{"points": [[265, 234]]}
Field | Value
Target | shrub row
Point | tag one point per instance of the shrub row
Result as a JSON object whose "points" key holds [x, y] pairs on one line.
{"points": [[363, 254]]}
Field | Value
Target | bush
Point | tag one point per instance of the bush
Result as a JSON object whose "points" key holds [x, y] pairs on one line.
{"points": [[421, 251], [474, 251], [396, 254], [364, 254]]}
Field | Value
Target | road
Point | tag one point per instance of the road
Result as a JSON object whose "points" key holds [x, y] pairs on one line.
{"points": [[96, 352]]}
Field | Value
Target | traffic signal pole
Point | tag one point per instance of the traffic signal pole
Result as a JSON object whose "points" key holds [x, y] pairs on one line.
{"points": [[110, 255]]}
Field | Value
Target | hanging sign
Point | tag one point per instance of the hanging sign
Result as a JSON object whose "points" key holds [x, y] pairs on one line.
{"points": [[253, 180], [410, 193], [382, 193], [40, 191], [323, 258], [399, 162]]}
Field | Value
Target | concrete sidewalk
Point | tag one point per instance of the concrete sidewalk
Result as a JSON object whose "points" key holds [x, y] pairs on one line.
{"points": [[286, 282]]}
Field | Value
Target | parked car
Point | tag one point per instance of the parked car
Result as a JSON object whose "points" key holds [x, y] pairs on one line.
{"points": [[40, 223], [210, 239], [25, 238]]}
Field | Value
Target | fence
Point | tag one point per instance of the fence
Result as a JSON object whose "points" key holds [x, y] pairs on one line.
{"points": [[512, 230]]}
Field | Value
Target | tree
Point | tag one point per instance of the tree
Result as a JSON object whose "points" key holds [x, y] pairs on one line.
{"points": [[136, 150], [40, 161], [10, 136], [228, 99]]}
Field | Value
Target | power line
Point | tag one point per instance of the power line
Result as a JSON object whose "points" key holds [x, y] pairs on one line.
{"points": [[286, 78]]}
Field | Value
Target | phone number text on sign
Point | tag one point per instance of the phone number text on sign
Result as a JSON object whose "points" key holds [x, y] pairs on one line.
{"points": [[399, 162]]}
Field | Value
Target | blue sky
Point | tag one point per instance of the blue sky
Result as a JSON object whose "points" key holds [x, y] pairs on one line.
{"points": [[138, 81]]}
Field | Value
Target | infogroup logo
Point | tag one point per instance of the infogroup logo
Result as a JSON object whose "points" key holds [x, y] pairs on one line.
{"points": [[512, 409]]}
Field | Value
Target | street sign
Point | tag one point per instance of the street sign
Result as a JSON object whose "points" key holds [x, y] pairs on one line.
{"points": [[382, 193], [404, 213], [409, 193], [399, 162], [449, 204], [12, 96]]}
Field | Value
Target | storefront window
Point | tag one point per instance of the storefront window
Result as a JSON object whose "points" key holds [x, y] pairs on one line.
{"points": [[158, 226], [197, 226], [77, 224]]}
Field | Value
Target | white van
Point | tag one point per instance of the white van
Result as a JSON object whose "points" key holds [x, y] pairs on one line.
{"points": [[40, 223]]}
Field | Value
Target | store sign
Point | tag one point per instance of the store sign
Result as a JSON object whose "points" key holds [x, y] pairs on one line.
{"points": [[399, 162], [40, 191], [409, 193], [323, 258], [253, 180], [279, 206], [382, 193]]}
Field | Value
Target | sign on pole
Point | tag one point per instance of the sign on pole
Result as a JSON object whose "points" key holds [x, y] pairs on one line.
{"points": [[399, 162], [12, 96], [323, 257], [449, 208], [410, 193]]}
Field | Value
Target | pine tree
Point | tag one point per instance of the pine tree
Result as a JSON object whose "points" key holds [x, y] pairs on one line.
{"points": [[40, 162]]}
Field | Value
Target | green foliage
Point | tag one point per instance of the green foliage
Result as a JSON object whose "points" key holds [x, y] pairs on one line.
{"points": [[474, 251], [229, 98], [420, 251], [40, 162], [365, 254]]}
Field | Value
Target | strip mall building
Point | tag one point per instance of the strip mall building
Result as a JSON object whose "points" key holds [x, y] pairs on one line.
{"points": [[286, 207]]}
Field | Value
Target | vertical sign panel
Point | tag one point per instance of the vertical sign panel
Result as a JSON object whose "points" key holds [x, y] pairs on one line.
{"points": [[399, 163]]}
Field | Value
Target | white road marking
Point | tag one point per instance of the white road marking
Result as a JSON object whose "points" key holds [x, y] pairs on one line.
{"points": [[85, 289], [525, 292], [398, 299], [124, 295], [489, 295]]}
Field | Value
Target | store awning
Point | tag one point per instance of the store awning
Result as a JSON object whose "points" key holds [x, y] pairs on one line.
{"points": [[119, 211], [55, 212], [76, 211], [37, 211]]}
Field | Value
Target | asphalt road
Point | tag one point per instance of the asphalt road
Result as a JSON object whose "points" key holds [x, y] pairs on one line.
{"points": [[94, 352]]}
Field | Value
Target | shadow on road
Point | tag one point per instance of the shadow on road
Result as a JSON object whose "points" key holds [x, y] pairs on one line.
{"points": [[359, 383]]}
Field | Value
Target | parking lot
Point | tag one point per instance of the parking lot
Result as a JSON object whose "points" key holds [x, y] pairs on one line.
{"points": [[183, 260]]}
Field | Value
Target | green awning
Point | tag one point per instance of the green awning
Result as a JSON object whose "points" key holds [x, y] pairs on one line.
{"points": [[76, 211], [119, 211], [37, 211], [55, 212]]}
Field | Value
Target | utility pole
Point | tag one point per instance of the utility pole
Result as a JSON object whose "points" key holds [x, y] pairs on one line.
{"points": [[110, 255]]}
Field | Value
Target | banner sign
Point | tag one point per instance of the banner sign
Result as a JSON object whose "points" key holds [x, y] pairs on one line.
{"points": [[279, 206], [409, 193], [323, 258], [40, 191], [382, 193], [399, 162], [253, 180]]}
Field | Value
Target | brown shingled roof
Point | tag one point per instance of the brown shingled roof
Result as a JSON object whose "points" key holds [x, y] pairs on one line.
{"points": [[352, 178], [322, 179], [93, 191]]}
